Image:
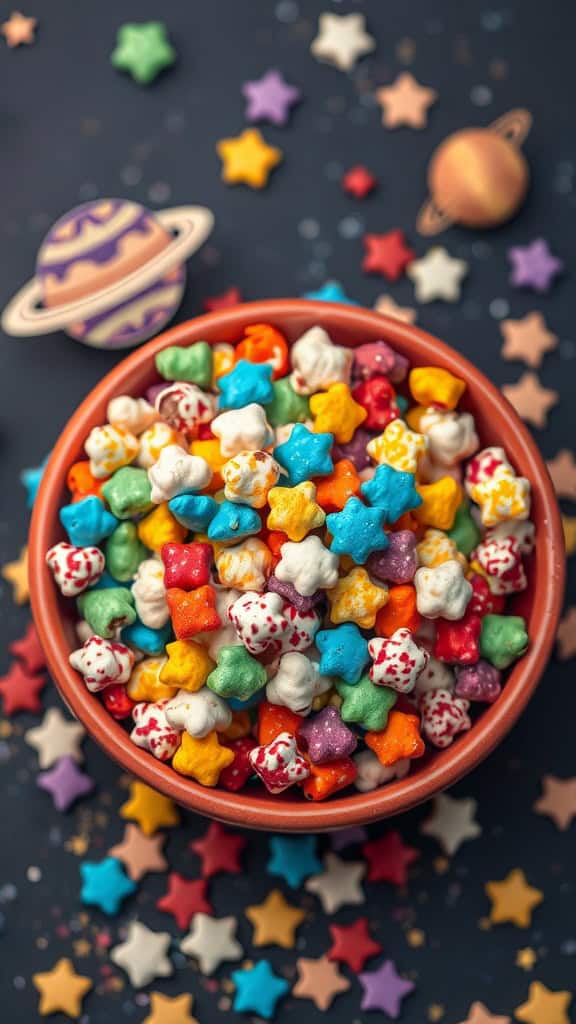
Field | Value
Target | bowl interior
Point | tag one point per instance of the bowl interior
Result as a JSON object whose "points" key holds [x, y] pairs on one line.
{"points": [[497, 425]]}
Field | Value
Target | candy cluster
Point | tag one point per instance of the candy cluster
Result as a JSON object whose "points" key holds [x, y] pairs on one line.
{"points": [[287, 569]]}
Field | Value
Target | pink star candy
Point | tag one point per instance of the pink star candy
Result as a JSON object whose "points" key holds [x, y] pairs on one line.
{"points": [[75, 569], [279, 765], [102, 662], [397, 661], [153, 732], [500, 561], [443, 716]]}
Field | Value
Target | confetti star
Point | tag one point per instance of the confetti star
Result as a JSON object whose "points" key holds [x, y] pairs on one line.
{"points": [[531, 401], [359, 182], [331, 291], [231, 297], [566, 635], [513, 899], [319, 980], [342, 40], [406, 102], [31, 479], [388, 858], [352, 944], [387, 254], [185, 897], [143, 955], [275, 921], [170, 1009], [219, 850], [65, 782], [29, 650], [527, 339], [293, 858], [437, 276], [534, 266], [61, 990], [270, 98], [56, 737], [20, 690], [258, 990], [150, 809], [562, 469], [451, 822], [247, 159], [526, 958], [139, 853], [568, 529], [558, 800], [480, 1014], [143, 51], [388, 306], [212, 941], [339, 885], [105, 885], [16, 573], [544, 1006], [19, 29], [384, 989]]}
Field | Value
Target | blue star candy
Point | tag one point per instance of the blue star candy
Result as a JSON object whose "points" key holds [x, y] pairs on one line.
{"points": [[331, 291], [150, 641], [357, 531], [293, 858], [246, 383], [88, 521], [344, 652], [392, 491], [258, 990], [194, 511], [31, 479], [105, 885], [234, 522], [305, 454]]}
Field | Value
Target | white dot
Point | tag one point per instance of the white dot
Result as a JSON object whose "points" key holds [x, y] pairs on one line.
{"points": [[350, 227], [481, 95], [287, 11], [131, 175], [19, 982], [499, 308], [308, 228], [33, 874], [159, 192]]}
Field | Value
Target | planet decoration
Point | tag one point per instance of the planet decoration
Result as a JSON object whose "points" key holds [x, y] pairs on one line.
{"points": [[110, 273], [478, 177]]}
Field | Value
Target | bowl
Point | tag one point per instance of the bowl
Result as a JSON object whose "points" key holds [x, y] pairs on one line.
{"points": [[497, 424]]}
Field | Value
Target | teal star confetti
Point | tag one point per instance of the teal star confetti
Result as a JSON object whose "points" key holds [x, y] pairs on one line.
{"points": [[258, 990], [305, 454], [293, 858], [31, 480], [331, 291], [246, 383], [105, 885]]}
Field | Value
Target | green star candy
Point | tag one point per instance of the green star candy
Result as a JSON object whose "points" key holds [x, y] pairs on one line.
{"points": [[143, 50], [286, 405], [107, 610], [124, 552], [238, 674], [503, 639], [365, 703], [192, 363], [128, 492], [464, 532]]}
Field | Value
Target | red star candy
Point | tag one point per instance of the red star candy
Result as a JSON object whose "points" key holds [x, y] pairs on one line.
{"points": [[20, 690], [352, 944], [359, 182], [387, 254], [388, 858], [231, 297], [186, 566], [184, 899], [29, 650], [219, 850]]}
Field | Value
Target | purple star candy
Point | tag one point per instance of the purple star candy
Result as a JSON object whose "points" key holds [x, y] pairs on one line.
{"points": [[479, 682], [355, 450], [325, 736], [400, 560], [384, 989], [534, 266], [379, 358], [270, 98], [289, 593], [65, 782], [345, 837]]}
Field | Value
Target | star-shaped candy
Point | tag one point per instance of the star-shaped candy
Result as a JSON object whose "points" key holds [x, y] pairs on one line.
{"points": [[357, 530], [534, 266], [65, 782], [274, 921], [333, 491], [29, 650], [568, 529], [352, 944], [246, 383], [247, 159], [105, 885], [150, 809], [356, 599], [212, 941], [170, 1009], [143, 50], [480, 1014], [388, 306], [339, 885], [270, 98], [405, 102], [392, 491], [562, 469], [330, 291], [531, 401], [56, 737], [231, 297], [527, 339], [387, 254], [61, 990], [319, 980], [219, 850], [325, 737], [558, 801], [526, 958], [202, 758], [294, 510], [184, 898], [305, 454], [258, 990], [544, 1006], [359, 182], [437, 275], [344, 652], [19, 29], [241, 430], [16, 573], [336, 412], [342, 39], [513, 899], [351, 836], [143, 955], [31, 479], [451, 822], [139, 853], [388, 858], [20, 690], [384, 989], [293, 858]]}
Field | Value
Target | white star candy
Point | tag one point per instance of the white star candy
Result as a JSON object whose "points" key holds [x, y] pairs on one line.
{"points": [[149, 593], [177, 472], [437, 276], [56, 737], [317, 362], [296, 683], [308, 565], [341, 40], [212, 941], [198, 713], [132, 414], [339, 885], [442, 591], [242, 430], [452, 822], [371, 773], [143, 955]]}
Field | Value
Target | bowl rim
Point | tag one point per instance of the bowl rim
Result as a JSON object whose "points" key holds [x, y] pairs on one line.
{"points": [[240, 808]]}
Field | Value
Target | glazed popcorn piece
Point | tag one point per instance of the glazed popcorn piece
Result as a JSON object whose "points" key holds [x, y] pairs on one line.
{"points": [[442, 592], [153, 732], [149, 594], [102, 662], [75, 569], [296, 683], [397, 661], [176, 472], [318, 363], [249, 476], [184, 406], [198, 713], [133, 415], [308, 565], [279, 764], [243, 430], [108, 448]]}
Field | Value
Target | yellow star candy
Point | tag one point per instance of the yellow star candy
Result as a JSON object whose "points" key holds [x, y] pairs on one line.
{"points": [[61, 989], [247, 159], [170, 1009], [16, 573], [145, 681], [398, 447], [202, 759], [544, 1006], [187, 667], [150, 809], [440, 502], [275, 921], [336, 412], [501, 498], [513, 899], [356, 599], [294, 510], [160, 527]]}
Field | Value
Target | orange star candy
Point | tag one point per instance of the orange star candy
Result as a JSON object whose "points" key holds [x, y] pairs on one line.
{"points": [[531, 401], [19, 29], [562, 469], [333, 491], [544, 1006], [513, 900], [192, 611], [527, 339], [406, 102], [558, 801], [61, 990], [326, 779], [388, 306], [400, 739], [400, 612]]}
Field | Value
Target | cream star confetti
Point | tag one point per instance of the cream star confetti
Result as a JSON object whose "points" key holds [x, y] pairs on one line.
{"points": [[452, 822], [480, 1014], [558, 801], [19, 29], [342, 39], [212, 941], [388, 306], [56, 737], [566, 635], [527, 339], [339, 885], [531, 401], [405, 102], [437, 275], [562, 469], [143, 955]]}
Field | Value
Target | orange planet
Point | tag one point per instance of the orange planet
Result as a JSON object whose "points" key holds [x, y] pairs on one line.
{"points": [[478, 177]]}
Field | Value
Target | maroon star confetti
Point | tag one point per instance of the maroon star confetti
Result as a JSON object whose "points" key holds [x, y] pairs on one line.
{"points": [[231, 297], [184, 899], [20, 690], [29, 650], [359, 182], [352, 944], [387, 254], [219, 850], [388, 858]]}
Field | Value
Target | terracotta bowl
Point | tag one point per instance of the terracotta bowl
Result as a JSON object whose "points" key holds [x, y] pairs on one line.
{"points": [[497, 423]]}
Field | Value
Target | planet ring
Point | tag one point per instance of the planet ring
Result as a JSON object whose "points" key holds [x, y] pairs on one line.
{"points": [[192, 225]]}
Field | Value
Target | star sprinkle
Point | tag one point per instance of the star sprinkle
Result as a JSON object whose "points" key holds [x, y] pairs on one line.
{"points": [[212, 941], [143, 51], [344, 652], [352, 944], [31, 479], [270, 98], [480, 1014], [293, 858], [219, 850], [170, 1009], [384, 989], [359, 182], [29, 650], [246, 383], [258, 990], [56, 737], [61, 990], [565, 636], [150, 809], [247, 159], [16, 573], [544, 1006], [437, 276], [405, 102], [19, 29], [231, 297], [526, 958], [386, 305], [513, 900], [558, 801], [143, 955], [534, 266], [105, 885], [339, 885], [451, 822], [139, 853], [20, 690], [185, 897], [387, 254], [357, 530], [274, 921], [342, 40], [562, 469], [305, 454], [319, 980], [65, 782], [388, 858], [531, 401], [331, 291], [527, 339]]}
